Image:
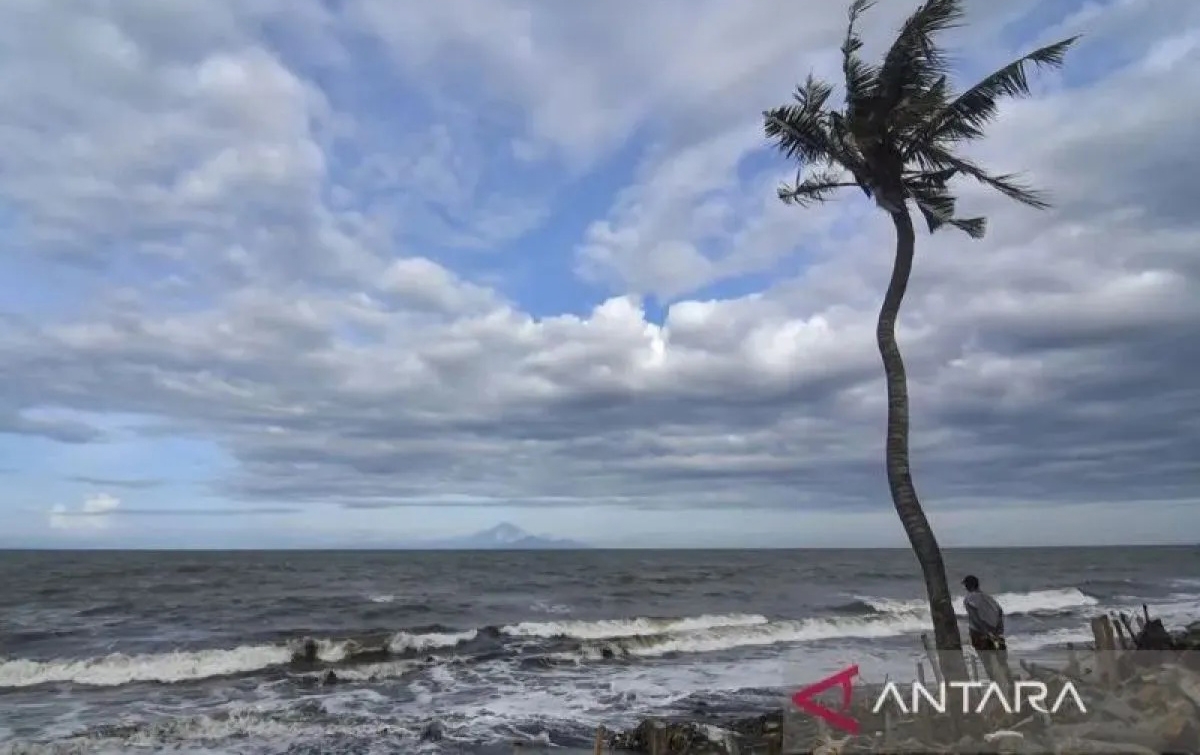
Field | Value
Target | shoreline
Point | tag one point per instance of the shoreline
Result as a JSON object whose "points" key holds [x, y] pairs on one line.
{"points": [[1142, 693]]}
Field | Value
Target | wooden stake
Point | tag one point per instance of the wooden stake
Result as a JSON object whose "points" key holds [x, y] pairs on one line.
{"points": [[923, 719], [599, 748], [934, 665], [658, 739], [1120, 635], [1102, 632], [1072, 660], [823, 735]]}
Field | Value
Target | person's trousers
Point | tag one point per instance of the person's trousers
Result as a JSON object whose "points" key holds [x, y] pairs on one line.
{"points": [[993, 651]]}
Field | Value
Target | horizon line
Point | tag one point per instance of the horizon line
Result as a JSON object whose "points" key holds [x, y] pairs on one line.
{"points": [[582, 548]]}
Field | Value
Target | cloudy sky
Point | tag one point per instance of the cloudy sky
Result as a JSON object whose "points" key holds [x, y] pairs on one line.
{"points": [[292, 272]]}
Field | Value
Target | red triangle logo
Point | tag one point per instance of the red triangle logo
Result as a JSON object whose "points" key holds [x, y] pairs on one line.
{"points": [[803, 699]]}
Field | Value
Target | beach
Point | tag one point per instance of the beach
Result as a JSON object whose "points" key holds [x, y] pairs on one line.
{"points": [[472, 651]]}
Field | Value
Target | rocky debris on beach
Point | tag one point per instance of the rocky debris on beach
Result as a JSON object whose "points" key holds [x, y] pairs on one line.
{"points": [[1140, 684]]}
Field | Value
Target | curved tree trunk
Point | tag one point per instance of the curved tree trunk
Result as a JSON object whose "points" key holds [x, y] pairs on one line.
{"points": [[904, 494]]}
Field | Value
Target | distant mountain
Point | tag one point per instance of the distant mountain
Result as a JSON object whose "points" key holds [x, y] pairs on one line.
{"points": [[505, 536]]}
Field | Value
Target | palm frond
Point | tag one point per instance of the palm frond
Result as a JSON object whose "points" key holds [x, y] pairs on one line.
{"points": [[800, 130], [861, 78], [914, 61], [937, 206], [895, 134], [934, 157], [909, 118], [975, 227], [813, 189], [965, 117], [850, 156], [925, 178]]}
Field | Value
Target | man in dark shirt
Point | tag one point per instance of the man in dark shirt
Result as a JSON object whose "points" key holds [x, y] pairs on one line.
{"points": [[985, 623]]}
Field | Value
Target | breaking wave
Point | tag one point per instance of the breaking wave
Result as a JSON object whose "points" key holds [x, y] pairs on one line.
{"points": [[193, 665], [116, 669], [606, 628], [1037, 602], [639, 637], [720, 638]]}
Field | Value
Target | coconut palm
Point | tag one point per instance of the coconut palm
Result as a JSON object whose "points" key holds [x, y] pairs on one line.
{"points": [[896, 138]]}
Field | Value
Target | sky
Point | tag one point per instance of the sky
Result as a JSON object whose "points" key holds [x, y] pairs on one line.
{"points": [[291, 273]]}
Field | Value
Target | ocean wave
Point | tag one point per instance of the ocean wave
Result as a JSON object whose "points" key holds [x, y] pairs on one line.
{"points": [[1036, 602], [635, 627], [720, 638], [860, 607], [193, 665], [117, 669], [402, 642]]}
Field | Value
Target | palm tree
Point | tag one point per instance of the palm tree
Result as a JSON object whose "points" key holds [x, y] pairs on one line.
{"points": [[896, 139]]}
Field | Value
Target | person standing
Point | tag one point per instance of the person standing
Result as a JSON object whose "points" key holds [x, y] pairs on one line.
{"points": [[985, 623]]}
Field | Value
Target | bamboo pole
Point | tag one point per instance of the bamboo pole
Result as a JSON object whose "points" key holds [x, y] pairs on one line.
{"points": [[934, 665]]}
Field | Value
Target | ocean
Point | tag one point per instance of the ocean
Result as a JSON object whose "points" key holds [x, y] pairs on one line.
{"points": [[106, 652]]}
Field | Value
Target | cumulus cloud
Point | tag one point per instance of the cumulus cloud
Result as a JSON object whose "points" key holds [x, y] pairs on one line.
{"points": [[93, 514], [271, 241]]}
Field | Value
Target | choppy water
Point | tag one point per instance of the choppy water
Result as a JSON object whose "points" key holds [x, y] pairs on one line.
{"points": [[191, 652]]}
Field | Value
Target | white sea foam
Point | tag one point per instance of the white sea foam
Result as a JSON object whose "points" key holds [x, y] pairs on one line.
{"points": [[190, 665], [609, 628], [403, 641], [116, 669], [1060, 600], [378, 671], [204, 730], [729, 637], [1178, 610]]}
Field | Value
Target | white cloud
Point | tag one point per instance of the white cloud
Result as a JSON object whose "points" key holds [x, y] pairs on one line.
{"points": [[269, 250], [93, 514]]}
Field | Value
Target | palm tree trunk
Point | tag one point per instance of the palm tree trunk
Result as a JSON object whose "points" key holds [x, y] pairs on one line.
{"points": [[904, 494]]}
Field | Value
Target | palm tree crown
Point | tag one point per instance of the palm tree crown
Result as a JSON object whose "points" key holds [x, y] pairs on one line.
{"points": [[897, 132]]}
